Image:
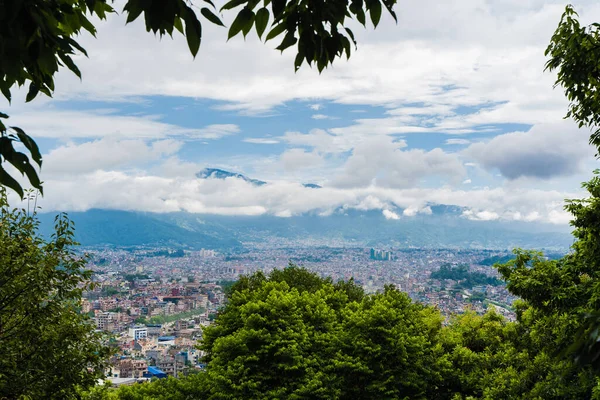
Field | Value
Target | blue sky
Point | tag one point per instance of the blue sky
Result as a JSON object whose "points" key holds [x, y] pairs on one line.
{"points": [[449, 106]]}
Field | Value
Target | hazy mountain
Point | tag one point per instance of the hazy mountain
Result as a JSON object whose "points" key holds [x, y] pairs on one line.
{"points": [[125, 228], [443, 228], [216, 173]]}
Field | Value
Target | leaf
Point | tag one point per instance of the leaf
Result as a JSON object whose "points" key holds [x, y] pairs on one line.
{"points": [[30, 144], [390, 7], [193, 31], [278, 8], [351, 34], [275, 31], [288, 40], [375, 11], [178, 25], [134, 9], [9, 181], [33, 91], [360, 16], [6, 93], [261, 20], [298, 61], [244, 17], [70, 64], [233, 4], [209, 15], [347, 47], [2, 115]]}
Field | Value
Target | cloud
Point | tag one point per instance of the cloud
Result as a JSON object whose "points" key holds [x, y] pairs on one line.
{"points": [[481, 215], [216, 131], [322, 141], [390, 215], [383, 162], [63, 124], [457, 141], [136, 190], [261, 140], [545, 151], [322, 116], [106, 153], [295, 159]]}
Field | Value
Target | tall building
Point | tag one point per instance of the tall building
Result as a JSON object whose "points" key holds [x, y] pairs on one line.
{"points": [[381, 255]]}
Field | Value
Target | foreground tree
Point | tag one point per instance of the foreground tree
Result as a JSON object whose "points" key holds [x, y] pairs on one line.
{"points": [[574, 53], [48, 349], [37, 37]]}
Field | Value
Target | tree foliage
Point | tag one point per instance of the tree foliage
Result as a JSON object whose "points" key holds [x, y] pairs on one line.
{"points": [[574, 52], [38, 37], [47, 348]]}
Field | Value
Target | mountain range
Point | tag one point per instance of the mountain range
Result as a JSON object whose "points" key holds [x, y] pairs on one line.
{"points": [[445, 227], [216, 173]]}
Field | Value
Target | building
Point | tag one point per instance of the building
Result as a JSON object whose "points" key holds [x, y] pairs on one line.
{"points": [[154, 372], [381, 255], [154, 329], [138, 332], [106, 321]]}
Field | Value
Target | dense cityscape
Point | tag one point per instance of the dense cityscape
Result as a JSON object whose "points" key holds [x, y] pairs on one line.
{"points": [[155, 302]]}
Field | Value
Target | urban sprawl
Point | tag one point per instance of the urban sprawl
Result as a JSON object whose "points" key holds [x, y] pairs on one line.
{"points": [[155, 302]]}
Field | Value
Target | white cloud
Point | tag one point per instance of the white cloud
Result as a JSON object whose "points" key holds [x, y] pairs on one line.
{"points": [[105, 153], [261, 140], [481, 215], [457, 141], [466, 181], [216, 131], [382, 161], [140, 191], [61, 124], [390, 215], [545, 151], [295, 159]]}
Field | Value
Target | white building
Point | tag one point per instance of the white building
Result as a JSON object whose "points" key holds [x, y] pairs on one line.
{"points": [[138, 332]]}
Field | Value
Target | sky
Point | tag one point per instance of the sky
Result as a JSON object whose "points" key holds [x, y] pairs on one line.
{"points": [[451, 105]]}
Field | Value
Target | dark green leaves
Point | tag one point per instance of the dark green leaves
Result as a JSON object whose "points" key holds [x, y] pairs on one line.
{"points": [[242, 23], [36, 38], [233, 4], [193, 31], [275, 31], [288, 40], [261, 20], [574, 52], [375, 12], [209, 15], [17, 159], [10, 182]]}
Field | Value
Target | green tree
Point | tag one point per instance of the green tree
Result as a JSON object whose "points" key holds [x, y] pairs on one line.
{"points": [[37, 38], [194, 386], [47, 348], [296, 335], [574, 53]]}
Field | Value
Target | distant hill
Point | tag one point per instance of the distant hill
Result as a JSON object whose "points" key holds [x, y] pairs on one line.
{"points": [[125, 228], [345, 227], [216, 173]]}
